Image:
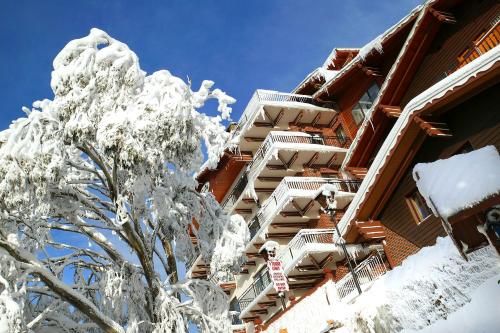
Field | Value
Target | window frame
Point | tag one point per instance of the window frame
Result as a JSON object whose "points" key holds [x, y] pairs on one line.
{"points": [[415, 208]]}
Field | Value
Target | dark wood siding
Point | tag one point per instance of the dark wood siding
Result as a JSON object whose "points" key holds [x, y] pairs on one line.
{"points": [[452, 39], [476, 121]]}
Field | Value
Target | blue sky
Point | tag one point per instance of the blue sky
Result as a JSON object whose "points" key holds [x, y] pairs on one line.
{"points": [[241, 45]]}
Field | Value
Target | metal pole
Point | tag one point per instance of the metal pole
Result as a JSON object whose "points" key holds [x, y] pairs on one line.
{"points": [[344, 248]]}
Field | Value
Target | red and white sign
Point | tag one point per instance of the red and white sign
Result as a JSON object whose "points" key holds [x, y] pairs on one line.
{"points": [[277, 274]]}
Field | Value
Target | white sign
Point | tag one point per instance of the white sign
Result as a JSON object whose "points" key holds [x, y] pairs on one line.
{"points": [[277, 274]]}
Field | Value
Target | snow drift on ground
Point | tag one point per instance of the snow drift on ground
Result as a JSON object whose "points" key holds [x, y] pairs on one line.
{"points": [[459, 182], [429, 286]]}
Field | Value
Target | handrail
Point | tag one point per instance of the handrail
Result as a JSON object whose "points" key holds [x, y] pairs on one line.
{"points": [[367, 271]]}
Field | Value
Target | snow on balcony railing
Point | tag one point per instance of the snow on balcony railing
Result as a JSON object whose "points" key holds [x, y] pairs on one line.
{"points": [[277, 138], [291, 187], [305, 240], [262, 96], [366, 272]]}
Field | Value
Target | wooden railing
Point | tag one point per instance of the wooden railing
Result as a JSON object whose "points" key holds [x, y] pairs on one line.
{"points": [[488, 41], [367, 271]]}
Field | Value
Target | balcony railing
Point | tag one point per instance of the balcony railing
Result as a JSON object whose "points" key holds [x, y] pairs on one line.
{"points": [[294, 138], [366, 272], [299, 187], [273, 138], [261, 96], [257, 286], [298, 246], [305, 240], [488, 41]]}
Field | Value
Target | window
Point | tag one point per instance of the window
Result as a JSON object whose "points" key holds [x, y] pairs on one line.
{"points": [[341, 136], [364, 104], [418, 206]]}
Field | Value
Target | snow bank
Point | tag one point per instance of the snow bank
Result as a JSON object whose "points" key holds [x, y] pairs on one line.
{"points": [[426, 288], [459, 182], [481, 315]]}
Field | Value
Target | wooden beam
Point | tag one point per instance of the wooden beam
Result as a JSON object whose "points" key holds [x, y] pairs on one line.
{"points": [[332, 122], [292, 160], [264, 190], [243, 211], [331, 161], [262, 124], [270, 179], [302, 277], [279, 235], [249, 200], [254, 139], [442, 16], [316, 119], [279, 225], [254, 255], [433, 129], [312, 160], [390, 111], [298, 286], [267, 304], [289, 214], [298, 118]]}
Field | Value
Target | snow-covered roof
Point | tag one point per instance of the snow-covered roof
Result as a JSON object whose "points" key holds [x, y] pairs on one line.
{"points": [[459, 182], [435, 92], [333, 55], [368, 48]]}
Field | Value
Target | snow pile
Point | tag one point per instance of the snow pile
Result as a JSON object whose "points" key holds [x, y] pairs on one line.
{"points": [[480, 315], [310, 314], [427, 287], [459, 182]]}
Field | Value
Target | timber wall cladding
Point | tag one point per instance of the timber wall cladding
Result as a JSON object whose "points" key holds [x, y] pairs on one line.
{"points": [[452, 39], [476, 121]]}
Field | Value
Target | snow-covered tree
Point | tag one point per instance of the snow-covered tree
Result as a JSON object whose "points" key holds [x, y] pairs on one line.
{"points": [[97, 197]]}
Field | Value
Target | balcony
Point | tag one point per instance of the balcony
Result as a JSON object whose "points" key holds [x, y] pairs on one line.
{"points": [[283, 154], [279, 100], [308, 242], [291, 188], [484, 43]]}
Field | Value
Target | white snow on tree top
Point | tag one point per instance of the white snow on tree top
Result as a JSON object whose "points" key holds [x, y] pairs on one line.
{"points": [[459, 182]]}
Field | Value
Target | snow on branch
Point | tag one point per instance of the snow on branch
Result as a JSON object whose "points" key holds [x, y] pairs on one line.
{"points": [[97, 199]]}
